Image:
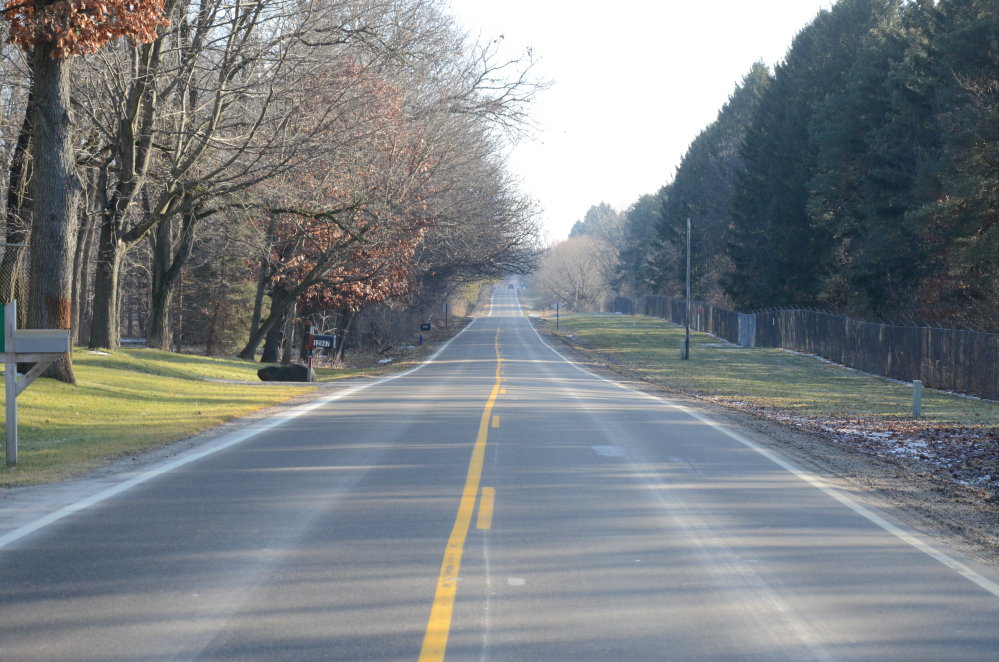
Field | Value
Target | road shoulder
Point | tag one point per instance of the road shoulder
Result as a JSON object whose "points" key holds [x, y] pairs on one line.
{"points": [[962, 518]]}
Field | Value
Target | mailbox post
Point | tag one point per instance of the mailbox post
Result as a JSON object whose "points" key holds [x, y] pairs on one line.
{"points": [[319, 341], [39, 346]]}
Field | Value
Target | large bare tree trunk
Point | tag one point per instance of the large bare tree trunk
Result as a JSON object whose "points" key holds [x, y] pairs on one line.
{"points": [[167, 266], [249, 351], [56, 194], [81, 304], [270, 328], [290, 327], [160, 333], [104, 330], [263, 279], [344, 321], [81, 272], [280, 311]]}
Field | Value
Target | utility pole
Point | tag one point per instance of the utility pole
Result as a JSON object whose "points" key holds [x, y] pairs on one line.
{"points": [[686, 339]]}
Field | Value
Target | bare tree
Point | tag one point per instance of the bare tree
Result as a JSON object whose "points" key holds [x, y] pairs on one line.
{"points": [[205, 113], [55, 32], [457, 100], [577, 273], [346, 220], [234, 105]]}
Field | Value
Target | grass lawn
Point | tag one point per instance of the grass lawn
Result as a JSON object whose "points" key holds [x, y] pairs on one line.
{"points": [[129, 401], [763, 377]]}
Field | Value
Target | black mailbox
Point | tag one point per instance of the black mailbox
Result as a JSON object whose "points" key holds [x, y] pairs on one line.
{"points": [[323, 342]]}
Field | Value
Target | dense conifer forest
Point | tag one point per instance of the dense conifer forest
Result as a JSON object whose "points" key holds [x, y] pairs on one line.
{"points": [[860, 175]]}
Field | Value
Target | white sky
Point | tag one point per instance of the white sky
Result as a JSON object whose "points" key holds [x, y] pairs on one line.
{"points": [[635, 81]]}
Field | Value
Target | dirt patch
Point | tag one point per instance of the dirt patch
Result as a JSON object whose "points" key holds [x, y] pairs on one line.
{"points": [[937, 480]]}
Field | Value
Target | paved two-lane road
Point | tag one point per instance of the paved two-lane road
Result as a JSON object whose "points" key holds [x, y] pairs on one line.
{"points": [[497, 504]]}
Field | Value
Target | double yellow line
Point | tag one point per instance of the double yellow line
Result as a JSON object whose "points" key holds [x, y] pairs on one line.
{"points": [[439, 623]]}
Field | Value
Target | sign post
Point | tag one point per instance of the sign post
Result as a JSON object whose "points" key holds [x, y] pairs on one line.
{"points": [[309, 345], [316, 341]]}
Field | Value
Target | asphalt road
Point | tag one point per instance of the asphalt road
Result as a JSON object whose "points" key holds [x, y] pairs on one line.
{"points": [[496, 504]]}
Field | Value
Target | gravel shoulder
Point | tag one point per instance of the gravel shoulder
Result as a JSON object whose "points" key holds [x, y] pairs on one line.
{"points": [[962, 517]]}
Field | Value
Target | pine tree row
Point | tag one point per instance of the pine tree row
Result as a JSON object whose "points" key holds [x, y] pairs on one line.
{"points": [[861, 175]]}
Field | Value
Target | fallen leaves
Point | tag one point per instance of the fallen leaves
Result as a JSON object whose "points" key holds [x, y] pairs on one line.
{"points": [[968, 455]]}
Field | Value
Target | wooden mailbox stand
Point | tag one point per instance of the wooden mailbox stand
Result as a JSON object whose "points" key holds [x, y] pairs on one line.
{"points": [[39, 346]]}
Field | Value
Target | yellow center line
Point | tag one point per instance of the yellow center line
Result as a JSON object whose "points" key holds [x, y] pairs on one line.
{"points": [[439, 623]]}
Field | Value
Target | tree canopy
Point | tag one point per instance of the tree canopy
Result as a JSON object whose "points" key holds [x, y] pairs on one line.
{"points": [[860, 175], [79, 27], [318, 157]]}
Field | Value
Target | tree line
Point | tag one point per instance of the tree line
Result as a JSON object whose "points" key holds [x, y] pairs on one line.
{"points": [[272, 160], [861, 175]]}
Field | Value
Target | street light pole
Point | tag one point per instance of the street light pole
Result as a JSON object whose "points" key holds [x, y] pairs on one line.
{"points": [[686, 339]]}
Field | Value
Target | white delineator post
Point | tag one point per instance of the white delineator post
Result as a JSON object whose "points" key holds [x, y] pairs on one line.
{"points": [[917, 398]]}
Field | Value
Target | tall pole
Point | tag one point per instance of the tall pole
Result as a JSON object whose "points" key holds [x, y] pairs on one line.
{"points": [[556, 315], [686, 339]]}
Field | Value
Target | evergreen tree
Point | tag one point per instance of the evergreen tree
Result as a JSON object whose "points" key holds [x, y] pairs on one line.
{"points": [[642, 252], [779, 256], [958, 182], [601, 221], [854, 199], [863, 176], [703, 190]]}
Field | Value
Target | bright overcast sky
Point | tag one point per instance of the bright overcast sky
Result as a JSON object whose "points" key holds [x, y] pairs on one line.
{"points": [[635, 81]]}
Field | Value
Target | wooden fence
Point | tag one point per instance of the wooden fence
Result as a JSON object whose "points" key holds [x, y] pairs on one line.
{"points": [[738, 328], [948, 359]]}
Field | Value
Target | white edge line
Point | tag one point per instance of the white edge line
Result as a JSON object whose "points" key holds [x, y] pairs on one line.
{"points": [[813, 480], [233, 439]]}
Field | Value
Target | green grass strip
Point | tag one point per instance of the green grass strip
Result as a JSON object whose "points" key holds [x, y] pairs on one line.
{"points": [[763, 378], [127, 402]]}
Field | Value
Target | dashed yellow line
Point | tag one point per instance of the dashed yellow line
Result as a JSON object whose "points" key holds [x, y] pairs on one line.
{"points": [[484, 521], [439, 623]]}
